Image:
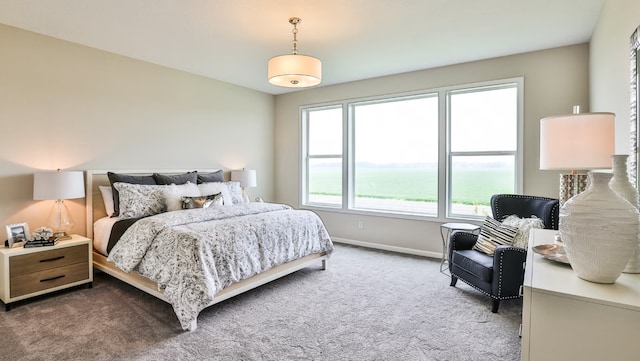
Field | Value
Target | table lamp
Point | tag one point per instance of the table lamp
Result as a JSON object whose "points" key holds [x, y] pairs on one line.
{"points": [[247, 178], [59, 186]]}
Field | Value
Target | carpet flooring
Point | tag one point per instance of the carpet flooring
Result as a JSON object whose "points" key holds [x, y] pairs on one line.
{"points": [[369, 305]]}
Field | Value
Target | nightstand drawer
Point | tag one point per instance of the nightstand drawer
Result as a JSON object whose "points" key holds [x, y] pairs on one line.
{"points": [[40, 261], [49, 278]]}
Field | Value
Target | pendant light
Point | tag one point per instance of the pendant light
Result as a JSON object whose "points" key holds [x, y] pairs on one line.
{"points": [[294, 70]]}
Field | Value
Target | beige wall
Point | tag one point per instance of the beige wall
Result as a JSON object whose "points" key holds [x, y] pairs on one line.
{"points": [[67, 106], [609, 71], [112, 112], [554, 81]]}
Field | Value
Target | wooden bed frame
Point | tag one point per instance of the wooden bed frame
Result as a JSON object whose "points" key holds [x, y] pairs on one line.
{"points": [[95, 210]]}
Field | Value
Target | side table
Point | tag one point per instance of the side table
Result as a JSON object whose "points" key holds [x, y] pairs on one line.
{"points": [[445, 231], [29, 272]]}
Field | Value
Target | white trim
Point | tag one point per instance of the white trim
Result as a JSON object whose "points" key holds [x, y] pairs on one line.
{"points": [[411, 251], [518, 153]]}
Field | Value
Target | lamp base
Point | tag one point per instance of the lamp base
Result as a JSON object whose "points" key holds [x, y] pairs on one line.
{"points": [[60, 220], [61, 236], [570, 185], [245, 196]]}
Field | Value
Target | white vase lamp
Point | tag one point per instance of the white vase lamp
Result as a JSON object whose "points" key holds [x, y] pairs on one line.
{"points": [[599, 230]]}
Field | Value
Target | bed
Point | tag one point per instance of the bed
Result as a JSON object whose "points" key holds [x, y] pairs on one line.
{"points": [[195, 258]]}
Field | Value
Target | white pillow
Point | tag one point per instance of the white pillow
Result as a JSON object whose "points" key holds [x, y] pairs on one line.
{"points": [[140, 200], [523, 225], [173, 194], [107, 199], [235, 191], [207, 189]]}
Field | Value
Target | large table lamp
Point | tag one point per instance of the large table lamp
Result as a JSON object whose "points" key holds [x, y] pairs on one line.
{"points": [[247, 178], [579, 141], [59, 186]]}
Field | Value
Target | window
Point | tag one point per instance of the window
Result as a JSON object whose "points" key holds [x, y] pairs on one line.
{"points": [[436, 153], [395, 151], [324, 157], [483, 147]]}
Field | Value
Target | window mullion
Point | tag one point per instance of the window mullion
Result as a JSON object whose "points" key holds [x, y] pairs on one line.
{"points": [[347, 157]]}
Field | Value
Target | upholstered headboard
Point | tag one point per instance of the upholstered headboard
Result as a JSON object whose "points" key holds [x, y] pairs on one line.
{"points": [[95, 205]]}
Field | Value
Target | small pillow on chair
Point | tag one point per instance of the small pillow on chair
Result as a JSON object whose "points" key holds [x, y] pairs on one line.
{"points": [[523, 225], [494, 234]]}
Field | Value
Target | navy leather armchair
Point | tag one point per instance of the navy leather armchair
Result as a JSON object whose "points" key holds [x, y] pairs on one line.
{"points": [[501, 275]]}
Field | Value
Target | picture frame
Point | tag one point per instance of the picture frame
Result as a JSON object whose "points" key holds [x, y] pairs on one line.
{"points": [[17, 234]]}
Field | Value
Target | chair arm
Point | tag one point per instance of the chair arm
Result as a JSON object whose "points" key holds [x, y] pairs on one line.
{"points": [[460, 240], [508, 270]]}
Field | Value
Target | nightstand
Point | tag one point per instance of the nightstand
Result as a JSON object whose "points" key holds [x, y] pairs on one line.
{"points": [[29, 272]]}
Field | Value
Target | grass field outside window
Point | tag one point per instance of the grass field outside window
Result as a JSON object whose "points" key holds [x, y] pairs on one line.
{"points": [[386, 185]]}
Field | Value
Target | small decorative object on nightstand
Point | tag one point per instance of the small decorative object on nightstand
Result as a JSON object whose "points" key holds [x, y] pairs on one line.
{"points": [[17, 234], [29, 272]]}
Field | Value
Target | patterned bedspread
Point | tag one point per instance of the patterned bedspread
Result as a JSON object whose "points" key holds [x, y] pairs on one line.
{"points": [[193, 254]]}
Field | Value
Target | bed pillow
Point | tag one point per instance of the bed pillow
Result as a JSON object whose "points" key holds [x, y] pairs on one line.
{"points": [[176, 178], [235, 192], [524, 225], [173, 194], [126, 178], [140, 200], [216, 176], [107, 199], [216, 187], [202, 201], [494, 234]]}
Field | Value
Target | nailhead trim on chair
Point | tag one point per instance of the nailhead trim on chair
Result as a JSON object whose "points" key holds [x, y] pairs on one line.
{"points": [[499, 282], [517, 249], [500, 216], [499, 279], [462, 279]]}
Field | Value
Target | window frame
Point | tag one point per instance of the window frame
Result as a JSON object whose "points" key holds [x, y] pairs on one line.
{"points": [[518, 83], [304, 166], [444, 153]]}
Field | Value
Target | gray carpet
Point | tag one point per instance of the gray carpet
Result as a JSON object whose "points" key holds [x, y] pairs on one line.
{"points": [[369, 305]]}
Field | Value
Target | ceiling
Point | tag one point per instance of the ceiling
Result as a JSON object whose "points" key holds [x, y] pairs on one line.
{"points": [[232, 40]]}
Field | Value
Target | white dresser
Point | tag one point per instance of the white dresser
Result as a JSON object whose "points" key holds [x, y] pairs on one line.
{"points": [[566, 318]]}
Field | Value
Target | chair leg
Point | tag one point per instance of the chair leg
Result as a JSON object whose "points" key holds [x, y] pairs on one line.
{"points": [[494, 305], [454, 279]]}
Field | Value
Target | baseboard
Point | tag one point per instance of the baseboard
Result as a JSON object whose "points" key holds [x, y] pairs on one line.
{"points": [[385, 247]]}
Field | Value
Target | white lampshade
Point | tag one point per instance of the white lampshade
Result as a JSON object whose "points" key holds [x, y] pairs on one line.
{"points": [[246, 177], [58, 185], [294, 71], [577, 141]]}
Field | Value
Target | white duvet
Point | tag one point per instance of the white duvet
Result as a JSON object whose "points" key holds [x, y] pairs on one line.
{"points": [[193, 254]]}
